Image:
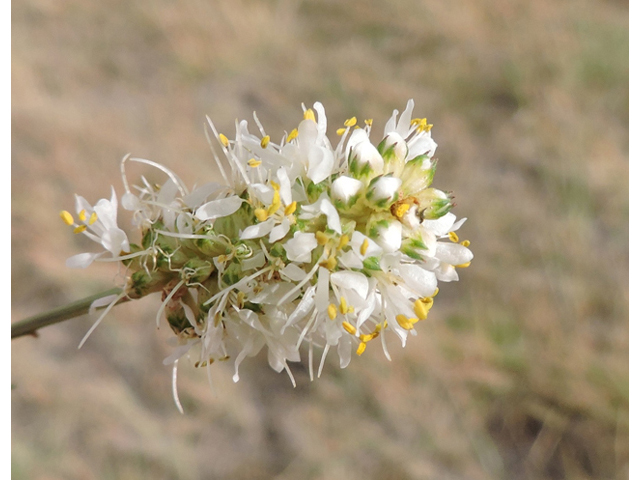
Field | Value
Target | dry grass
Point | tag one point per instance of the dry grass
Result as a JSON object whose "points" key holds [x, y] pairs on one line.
{"points": [[523, 371]]}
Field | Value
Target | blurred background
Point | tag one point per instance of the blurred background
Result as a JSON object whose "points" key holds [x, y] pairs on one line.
{"points": [[522, 370]]}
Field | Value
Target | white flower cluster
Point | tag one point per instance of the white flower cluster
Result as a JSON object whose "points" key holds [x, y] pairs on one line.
{"points": [[305, 244]]}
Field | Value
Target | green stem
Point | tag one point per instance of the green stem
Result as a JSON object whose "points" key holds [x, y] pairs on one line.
{"points": [[28, 326]]}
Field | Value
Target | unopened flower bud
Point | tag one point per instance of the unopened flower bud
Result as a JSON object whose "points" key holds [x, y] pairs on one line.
{"points": [[383, 191]]}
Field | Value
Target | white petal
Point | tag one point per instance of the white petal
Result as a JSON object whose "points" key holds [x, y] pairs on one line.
{"points": [[300, 246], [322, 120], [355, 281], [373, 249], [131, 202], [344, 188], [321, 162], [333, 218], [293, 272], [115, 241], [390, 238], [199, 195], [453, 253], [351, 260], [446, 273], [421, 146], [285, 185], [391, 123], [82, 260], [419, 280], [344, 351], [405, 120], [219, 208], [259, 230], [440, 226], [280, 231]]}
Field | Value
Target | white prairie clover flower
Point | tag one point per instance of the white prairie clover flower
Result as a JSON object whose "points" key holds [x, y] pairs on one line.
{"points": [[307, 244]]}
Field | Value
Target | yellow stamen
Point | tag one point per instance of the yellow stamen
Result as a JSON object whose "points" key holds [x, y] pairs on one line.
{"points": [[322, 238], [406, 323], [254, 163], [344, 240], [309, 115], [465, 243], [364, 246], [421, 308], [82, 215], [416, 121], [222, 259], [330, 263], [356, 127], [368, 122], [261, 214], [463, 265], [265, 141], [343, 305], [275, 186], [453, 237], [80, 229], [66, 217], [332, 311], [293, 135], [350, 122], [275, 206], [361, 348], [349, 328], [341, 131], [425, 128], [291, 208], [224, 140], [93, 218], [435, 293], [402, 209]]}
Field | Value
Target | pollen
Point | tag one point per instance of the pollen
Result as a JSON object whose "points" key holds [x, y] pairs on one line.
{"points": [[344, 240], [332, 311], [265, 141], [361, 348], [364, 246], [341, 131], [402, 209], [309, 115], [261, 214], [453, 237], [291, 208], [349, 328], [224, 140], [66, 217], [82, 215], [293, 135], [254, 163], [80, 229], [350, 122], [344, 308], [322, 238], [93, 218]]}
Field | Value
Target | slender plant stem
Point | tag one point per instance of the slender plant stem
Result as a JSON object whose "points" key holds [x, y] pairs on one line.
{"points": [[30, 325]]}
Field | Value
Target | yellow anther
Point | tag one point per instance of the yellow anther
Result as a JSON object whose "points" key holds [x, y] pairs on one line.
{"points": [[309, 115], [364, 246], [344, 240], [93, 218], [435, 293], [224, 140], [465, 243], [293, 135], [341, 131], [275, 186], [331, 262], [425, 128], [261, 214], [463, 265], [385, 324], [344, 308], [254, 163], [406, 323], [361, 348], [222, 259], [82, 215], [291, 208], [378, 328], [350, 122], [428, 301], [349, 328], [453, 236], [416, 121], [356, 127], [368, 122], [332, 311], [370, 336], [66, 217], [80, 229], [265, 141], [322, 238], [402, 209], [421, 309], [275, 206]]}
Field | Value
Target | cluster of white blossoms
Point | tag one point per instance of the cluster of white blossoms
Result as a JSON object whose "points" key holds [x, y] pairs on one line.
{"points": [[305, 243]]}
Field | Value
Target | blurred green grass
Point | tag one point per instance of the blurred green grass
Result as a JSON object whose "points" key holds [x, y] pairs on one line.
{"points": [[523, 370]]}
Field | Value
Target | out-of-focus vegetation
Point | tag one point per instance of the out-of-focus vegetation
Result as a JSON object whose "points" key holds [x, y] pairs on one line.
{"points": [[522, 370]]}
